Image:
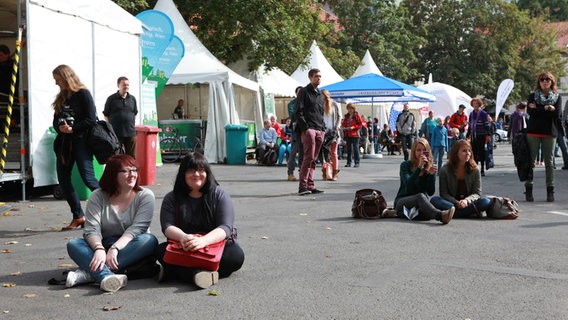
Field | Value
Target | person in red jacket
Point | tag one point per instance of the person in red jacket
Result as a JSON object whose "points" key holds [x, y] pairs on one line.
{"points": [[351, 125], [459, 121]]}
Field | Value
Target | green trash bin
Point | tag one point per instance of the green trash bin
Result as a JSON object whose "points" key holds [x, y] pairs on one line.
{"points": [[236, 140]]}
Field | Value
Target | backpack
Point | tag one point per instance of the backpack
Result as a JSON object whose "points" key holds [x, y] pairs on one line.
{"points": [[270, 157], [102, 140]]}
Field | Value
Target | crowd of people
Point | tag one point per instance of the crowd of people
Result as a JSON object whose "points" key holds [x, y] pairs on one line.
{"points": [[198, 212]]}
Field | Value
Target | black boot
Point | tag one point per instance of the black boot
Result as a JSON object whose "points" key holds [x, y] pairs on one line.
{"points": [[528, 193], [550, 194]]}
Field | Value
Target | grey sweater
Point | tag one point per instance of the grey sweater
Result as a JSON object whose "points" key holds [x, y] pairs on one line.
{"points": [[102, 220]]}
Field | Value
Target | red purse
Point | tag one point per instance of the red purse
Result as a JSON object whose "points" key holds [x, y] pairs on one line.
{"points": [[206, 258]]}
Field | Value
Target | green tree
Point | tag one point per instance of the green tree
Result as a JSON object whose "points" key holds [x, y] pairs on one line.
{"points": [[133, 6], [474, 45], [381, 27], [555, 10]]}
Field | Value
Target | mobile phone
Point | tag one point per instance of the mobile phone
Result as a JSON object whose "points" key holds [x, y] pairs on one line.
{"points": [[426, 153]]}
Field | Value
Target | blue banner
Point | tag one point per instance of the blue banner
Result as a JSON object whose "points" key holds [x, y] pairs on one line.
{"points": [[167, 63], [158, 33]]}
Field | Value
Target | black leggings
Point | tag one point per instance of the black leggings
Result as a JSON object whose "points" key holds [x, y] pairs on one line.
{"points": [[478, 149], [231, 261]]}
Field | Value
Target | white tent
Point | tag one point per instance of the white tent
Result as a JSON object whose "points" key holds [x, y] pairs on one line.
{"points": [[316, 60], [199, 65], [277, 82], [448, 98], [366, 66], [98, 39]]}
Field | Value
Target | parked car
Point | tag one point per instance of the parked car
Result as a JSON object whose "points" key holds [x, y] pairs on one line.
{"points": [[500, 135]]}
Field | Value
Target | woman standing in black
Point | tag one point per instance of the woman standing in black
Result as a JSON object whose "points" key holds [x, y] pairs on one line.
{"points": [[478, 132], [74, 115], [543, 107]]}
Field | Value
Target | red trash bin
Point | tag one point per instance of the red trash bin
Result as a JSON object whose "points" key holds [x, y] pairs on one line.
{"points": [[146, 144]]}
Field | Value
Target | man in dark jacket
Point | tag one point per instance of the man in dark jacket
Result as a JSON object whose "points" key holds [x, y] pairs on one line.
{"points": [[311, 127]]}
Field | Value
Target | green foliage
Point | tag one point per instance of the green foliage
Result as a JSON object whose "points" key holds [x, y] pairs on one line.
{"points": [[381, 27], [133, 6], [474, 45], [555, 10]]}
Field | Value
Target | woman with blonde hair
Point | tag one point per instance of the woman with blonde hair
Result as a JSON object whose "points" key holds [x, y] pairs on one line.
{"points": [[460, 184], [74, 115], [543, 108], [332, 119], [417, 182]]}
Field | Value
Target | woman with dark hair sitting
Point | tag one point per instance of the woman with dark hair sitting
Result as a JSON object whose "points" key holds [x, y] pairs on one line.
{"points": [[116, 228], [198, 213], [460, 184]]}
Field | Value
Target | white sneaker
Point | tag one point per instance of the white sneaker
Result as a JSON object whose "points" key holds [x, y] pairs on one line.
{"points": [[114, 282], [78, 277], [205, 279]]}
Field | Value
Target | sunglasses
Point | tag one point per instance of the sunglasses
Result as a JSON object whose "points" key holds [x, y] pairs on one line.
{"points": [[545, 79]]}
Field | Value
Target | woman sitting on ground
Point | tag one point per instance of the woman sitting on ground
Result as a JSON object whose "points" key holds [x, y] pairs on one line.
{"points": [[460, 184], [417, 182], [116, 228], [197, 213]]}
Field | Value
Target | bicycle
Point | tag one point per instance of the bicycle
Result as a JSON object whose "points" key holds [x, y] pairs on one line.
{"points": [[172, 147]]}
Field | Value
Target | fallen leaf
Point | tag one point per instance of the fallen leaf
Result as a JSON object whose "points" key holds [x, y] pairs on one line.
{"points": [[328, 228], [68, 238], [67, 296], [8, 285], [6, 311], [213, 293], [61, 258], [303, 214], [7, 214], [30, 295], [6, 251], [28, 244], [111, 308], [66, 265], [16, 273], [264, 237], [11, 242], [31, 206], [28, 229]]}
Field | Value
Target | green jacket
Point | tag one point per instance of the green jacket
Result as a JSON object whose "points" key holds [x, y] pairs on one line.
{"points": [[412, 183], [449, 185]]}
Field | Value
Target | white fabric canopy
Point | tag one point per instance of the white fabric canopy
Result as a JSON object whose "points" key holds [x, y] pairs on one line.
{"points": [[366, 66], [448, 98], [98, 39], [199, 65], [316, 59], [277, 82]]}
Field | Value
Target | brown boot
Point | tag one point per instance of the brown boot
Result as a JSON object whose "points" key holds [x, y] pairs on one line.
{"points": [[335, 174]]}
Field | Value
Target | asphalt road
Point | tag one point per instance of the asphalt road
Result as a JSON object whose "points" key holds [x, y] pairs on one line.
{"points": [[306, 258]]}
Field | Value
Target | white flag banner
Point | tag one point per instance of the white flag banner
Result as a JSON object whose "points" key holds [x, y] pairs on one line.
{"points": [[502, 93]]}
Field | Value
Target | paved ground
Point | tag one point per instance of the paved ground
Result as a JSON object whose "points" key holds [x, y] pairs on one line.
{"points": [[306, 258]]}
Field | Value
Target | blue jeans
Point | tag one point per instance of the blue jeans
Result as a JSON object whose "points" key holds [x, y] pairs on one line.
{"points": [[83, 156], [482, 204], [438, 154], [137, 249], [297, 149], [285, 149], [353, 149]]}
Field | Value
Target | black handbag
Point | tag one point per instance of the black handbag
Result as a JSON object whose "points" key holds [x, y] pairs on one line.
{"points": [[102, 140]]}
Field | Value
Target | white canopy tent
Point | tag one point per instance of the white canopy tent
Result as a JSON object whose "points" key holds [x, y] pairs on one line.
{"points": [[84, 34], [316, 59], [367, 66], [448, 99], [199, 65]]}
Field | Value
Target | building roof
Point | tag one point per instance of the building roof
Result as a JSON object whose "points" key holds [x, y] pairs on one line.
{"points": [[562, 28]]}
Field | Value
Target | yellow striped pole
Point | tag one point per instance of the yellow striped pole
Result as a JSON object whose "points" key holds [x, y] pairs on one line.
{"points": [[10, 103]]}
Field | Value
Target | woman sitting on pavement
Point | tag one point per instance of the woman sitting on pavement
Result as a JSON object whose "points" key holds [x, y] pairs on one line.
{"points": [[460, 184], [417, 182], [198, 205], [116, 228]]}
